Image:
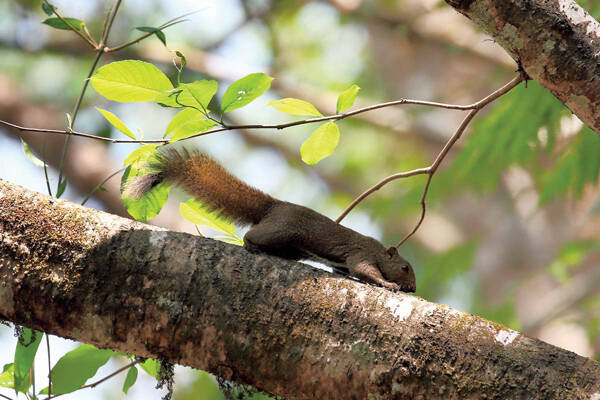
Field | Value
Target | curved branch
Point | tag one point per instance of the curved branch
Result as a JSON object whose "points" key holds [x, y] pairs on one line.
{"points": [[430, 170]]}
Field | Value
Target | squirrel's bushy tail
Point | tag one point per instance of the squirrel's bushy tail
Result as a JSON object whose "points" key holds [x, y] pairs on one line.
{"points": [[206, 180]]}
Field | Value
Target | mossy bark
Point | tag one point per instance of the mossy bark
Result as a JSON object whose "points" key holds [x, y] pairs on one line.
{"points": [[281, 326], [556, 41]]}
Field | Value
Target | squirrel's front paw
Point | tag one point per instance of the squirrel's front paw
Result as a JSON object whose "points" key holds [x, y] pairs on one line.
{"points": [[394, 287]]}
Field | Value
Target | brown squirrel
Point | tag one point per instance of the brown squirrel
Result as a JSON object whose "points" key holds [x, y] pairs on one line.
{"points": [[278, 227]]}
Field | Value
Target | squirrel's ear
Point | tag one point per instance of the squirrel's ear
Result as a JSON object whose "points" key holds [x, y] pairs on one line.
{"points": [[392, 251]]}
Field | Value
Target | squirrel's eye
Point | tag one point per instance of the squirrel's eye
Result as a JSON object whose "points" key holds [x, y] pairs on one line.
{"points": [[404, 267]]}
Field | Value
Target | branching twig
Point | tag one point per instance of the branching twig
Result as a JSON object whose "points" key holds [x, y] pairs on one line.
{"points": [[335, 117], [89, 40], [99, 51], [82, 134], [430, 170], [94, 384], [167, 24]]}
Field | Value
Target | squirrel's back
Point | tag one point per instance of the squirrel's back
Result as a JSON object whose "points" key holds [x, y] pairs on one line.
{"points": [[206, 180]]}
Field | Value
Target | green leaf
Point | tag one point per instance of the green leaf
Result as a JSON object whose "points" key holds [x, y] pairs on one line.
{"points": [[58, 24], [243, 91], [295, 107], [196, 95], [61, 188], [7, 377], [77, 366], [24, 355], [200, 91], [197, 213], [149, 205], [186, 123], [116, 122], [130, 81], [346, 98], [159, 34], [130, 379], [48, 8], [140, 154], [32, 157], [320, 144], [152, 367]]}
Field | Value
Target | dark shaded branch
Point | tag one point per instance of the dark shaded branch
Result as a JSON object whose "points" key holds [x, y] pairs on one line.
{"points": [[278, 325]]}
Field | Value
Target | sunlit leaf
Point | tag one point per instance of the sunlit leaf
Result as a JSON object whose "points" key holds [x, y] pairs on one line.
{"points": [[149, 205], [7, 377], [58, 24], [32, 157], [116, 122], [186, 123], [130, 81], [320, 144], [152, 367], [196, 95], [27, 347], [77, 366], [140, 154], [195, 212], [346, 98], [295, 107], [243, 91], [130, 379]]}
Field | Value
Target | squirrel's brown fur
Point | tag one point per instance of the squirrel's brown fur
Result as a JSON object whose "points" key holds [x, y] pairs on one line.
{"points": [[204, 178], [278, 227]]}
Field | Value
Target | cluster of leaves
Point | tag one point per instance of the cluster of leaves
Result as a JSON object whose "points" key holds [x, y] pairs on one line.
{"points": [[138, 81], [71, 372]]}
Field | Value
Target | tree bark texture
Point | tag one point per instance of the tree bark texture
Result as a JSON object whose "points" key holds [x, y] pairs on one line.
{"points": [[281, 326], [556, 41]]}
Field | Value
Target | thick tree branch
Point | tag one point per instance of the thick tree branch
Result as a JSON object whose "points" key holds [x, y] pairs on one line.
{"points": [[556, 41], [275, 324]]}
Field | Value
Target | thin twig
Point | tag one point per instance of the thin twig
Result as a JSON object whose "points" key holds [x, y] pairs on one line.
{"points": [[99, 52], [94, 384], [479, 104], [337, 117], [5, 397], [46, 167], [49, 367], [99, 186], [82, 134], [430, 170], [167, 24]]}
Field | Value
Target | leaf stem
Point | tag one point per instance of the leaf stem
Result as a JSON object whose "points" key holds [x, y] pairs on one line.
{"points": [[100, 185]]}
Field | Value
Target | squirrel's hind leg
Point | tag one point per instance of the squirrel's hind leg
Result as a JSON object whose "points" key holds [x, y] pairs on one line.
{"points": [[271, 239]]}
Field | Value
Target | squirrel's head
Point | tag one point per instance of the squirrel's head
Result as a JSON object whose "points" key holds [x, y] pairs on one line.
{"points": [[396, 269]]}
